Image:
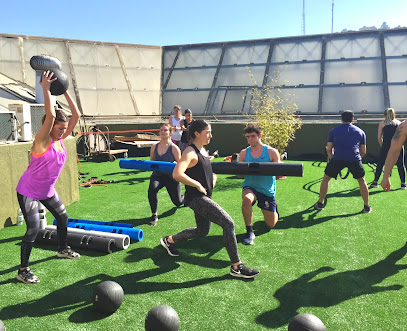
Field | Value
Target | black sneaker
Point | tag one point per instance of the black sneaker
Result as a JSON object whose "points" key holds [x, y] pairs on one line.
{"points": [[374, 185], [153, 220], [242, 271], [68, 253], [319, 206], [366, 209], [403, 186], [170, 247], [249, 238], [27, 277]]}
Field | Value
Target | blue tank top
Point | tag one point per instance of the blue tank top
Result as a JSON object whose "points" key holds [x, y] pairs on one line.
{"points": [[262, 184]]}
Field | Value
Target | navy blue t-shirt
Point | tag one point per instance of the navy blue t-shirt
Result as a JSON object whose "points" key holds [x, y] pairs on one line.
{"points": [[346, 139]]}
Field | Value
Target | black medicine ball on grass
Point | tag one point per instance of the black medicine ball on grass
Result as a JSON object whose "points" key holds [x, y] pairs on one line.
{"points": [[306, 322], [108, 297], [162, 318]]}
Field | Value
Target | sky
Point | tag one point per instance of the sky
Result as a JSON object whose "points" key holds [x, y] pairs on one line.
{"points": [[179, 22]]}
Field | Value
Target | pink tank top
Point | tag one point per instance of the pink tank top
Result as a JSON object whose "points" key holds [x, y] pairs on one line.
{"points": [[39, 179]]}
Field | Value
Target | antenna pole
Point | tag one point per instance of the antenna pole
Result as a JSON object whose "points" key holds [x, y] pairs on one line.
{"points": [[303, 17]]}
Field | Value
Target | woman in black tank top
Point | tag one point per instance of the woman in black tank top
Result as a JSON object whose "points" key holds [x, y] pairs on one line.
{"points": [[195, 171], [385, 133], [165, 151]]}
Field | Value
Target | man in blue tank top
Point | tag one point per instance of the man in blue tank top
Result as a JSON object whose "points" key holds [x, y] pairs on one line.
{"points": [[346, 146], [258, 188]]}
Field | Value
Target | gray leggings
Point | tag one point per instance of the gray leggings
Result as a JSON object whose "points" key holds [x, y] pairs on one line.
{"points": [[206, 212]]}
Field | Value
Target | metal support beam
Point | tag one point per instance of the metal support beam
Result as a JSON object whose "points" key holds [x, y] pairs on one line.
{"points": [[215, 77], [73, 76], [386, 96], [126, 77], [172, 68], [266, 71], [22, 59], [322, 75]]}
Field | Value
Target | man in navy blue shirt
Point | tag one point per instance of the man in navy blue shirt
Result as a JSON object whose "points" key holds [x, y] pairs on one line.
{"points": [[346, 146]]}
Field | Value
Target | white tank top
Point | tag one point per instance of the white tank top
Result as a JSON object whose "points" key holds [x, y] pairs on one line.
{"points": [[176, 135]]}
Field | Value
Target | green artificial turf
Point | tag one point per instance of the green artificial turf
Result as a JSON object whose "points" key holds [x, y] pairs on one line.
{"points": [[347, 268]]}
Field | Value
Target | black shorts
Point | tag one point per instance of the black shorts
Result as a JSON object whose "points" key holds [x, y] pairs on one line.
{"points": [[334, 167]]}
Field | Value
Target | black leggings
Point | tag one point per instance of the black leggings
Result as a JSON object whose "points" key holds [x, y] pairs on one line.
{"points": [[29, 207], [206, 212], [157, 182], [382, 159]]}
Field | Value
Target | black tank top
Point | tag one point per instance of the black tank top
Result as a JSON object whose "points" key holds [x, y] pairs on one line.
{"points": [[388, 132], [201, 172], [184, 137], [166, 157]]}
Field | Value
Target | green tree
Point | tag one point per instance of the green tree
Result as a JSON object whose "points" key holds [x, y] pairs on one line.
{"points": [[276, 113]]}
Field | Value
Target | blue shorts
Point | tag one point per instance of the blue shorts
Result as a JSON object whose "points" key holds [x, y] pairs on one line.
{"points": [[263, 201]]}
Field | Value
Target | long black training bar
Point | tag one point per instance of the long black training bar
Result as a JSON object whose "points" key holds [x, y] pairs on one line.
{"points": [[258, 168]]}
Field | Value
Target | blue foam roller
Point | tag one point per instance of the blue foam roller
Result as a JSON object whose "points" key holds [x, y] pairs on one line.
{"points": [[133, 233], [120, 225], [161, 166]]}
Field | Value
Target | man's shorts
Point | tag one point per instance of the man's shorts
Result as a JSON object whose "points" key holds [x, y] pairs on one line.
{"points": [[334, 167], [263, 201]]}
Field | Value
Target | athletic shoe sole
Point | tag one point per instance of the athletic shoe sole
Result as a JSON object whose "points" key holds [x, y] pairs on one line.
{"points": [[248, 241], [239, 275], [67, 256], [21, 279]]}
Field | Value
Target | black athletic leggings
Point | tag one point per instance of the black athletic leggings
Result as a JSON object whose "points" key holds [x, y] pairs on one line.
{"points": [[206, 212], [29, 207], [382, 159], [157, 182]]}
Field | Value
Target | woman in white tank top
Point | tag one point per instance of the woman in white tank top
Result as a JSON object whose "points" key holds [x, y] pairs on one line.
{"points": [[176, 124]]}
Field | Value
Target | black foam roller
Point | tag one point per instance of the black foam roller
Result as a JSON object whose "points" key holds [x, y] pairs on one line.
{"points": [[258, 168], [100, 244], [77, 240]]}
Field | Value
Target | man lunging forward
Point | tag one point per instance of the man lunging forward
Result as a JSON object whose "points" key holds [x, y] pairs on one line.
{"points": [[258, 188]]}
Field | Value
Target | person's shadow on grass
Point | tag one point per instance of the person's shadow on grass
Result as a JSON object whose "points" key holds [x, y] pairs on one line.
{"points": [[332, 289], [206, 247], [78, 296], [145, 220]]}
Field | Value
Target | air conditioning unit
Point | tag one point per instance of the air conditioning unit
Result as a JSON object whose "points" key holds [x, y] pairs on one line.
{"points": [[8, 126], [29, 119]]}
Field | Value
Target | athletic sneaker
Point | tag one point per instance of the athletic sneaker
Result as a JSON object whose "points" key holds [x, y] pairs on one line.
{"points": [[170, 247], [403, 186], [366, 209], [319, 206], [374, 185], [153, 220], [26, 276], [68, 253], [249, 238], [242, 271]]}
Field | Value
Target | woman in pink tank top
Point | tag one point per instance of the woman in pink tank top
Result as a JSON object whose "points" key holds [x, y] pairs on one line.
{"points": [[48, 155]]}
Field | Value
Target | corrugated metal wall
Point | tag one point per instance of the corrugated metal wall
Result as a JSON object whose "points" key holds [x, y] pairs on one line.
{"points": [[106, 78], [323, 74]]}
